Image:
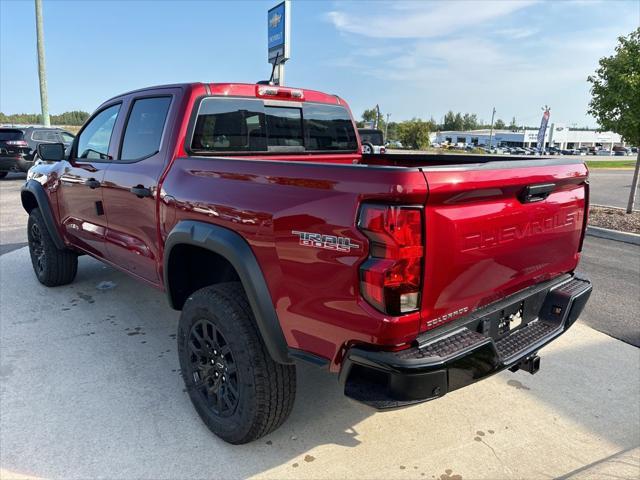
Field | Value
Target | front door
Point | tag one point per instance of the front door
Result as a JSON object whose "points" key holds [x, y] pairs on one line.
{"points": [[80, 193], [130, 186]]}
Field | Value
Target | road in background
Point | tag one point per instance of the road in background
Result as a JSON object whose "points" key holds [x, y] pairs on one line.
{"points": [[614, 269], [611, 186]]}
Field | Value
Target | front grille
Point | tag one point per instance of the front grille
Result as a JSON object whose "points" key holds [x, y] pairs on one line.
{"points": [[523, 338]]}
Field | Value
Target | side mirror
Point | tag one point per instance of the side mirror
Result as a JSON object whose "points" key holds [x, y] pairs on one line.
{"points": [[51, 152]]}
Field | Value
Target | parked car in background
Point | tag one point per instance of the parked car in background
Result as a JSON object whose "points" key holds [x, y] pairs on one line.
{"points": [[18, 146], [602, 152], [398, 144], [372, 140], [554, 151]]}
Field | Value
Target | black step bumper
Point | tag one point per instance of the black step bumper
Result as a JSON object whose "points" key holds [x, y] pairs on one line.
{"points": [[467, 350]]}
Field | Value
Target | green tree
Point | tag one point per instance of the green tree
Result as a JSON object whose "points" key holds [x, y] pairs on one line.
{"points": [[499, 124], [371, 116], [513, 125], [414, 133], [615, 96], [469, 121], [75, 117], [449, 122]]}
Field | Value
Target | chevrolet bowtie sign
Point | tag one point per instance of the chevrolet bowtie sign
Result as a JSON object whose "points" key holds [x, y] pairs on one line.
{"points": [[278, 32]]}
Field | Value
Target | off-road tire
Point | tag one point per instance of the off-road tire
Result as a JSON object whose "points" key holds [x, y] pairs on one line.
{"points": [[53, 267], [265, 389]]}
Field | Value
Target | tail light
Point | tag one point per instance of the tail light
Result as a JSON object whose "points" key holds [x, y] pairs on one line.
{"points": [[17, 143], [391, 278]]}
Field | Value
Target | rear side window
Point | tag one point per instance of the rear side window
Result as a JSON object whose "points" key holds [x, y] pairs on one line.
{"points": [[44, 136], [10, 134], [144, 128], [247, 125]]}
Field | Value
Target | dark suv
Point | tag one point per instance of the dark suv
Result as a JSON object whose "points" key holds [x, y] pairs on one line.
{"points": [[18, 146]]}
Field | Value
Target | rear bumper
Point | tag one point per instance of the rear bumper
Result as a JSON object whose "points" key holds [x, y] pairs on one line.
{"points": [[469, 350], [14, 164]]}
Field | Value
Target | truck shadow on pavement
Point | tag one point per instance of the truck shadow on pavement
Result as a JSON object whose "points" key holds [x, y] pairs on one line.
{"points": [[90, 387]]}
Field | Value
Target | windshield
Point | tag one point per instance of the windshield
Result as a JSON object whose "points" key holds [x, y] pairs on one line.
{"points": [[248, 125], [372, 136], [10, 134]]}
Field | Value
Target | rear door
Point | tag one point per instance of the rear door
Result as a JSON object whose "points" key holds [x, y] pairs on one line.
{"points": [[130, 185], [80, 193], [496, 228]]}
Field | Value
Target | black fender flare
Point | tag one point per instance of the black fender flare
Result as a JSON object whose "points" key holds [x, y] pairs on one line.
{"points": [[31, 187], [237, 251]]}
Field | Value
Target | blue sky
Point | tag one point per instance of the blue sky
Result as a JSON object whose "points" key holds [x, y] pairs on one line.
{"points": [[414, 58]]}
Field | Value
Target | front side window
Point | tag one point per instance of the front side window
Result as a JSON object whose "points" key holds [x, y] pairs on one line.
{"points": [[247, 125], [144, 128], [93, 143]]}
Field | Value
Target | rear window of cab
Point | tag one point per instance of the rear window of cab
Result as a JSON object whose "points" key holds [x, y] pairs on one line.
{"points": [[244, 125]]}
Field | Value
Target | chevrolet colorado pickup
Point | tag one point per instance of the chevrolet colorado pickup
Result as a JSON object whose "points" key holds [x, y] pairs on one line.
{"points": [[252, 207]]}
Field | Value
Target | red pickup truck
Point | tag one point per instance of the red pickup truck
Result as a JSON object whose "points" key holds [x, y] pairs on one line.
{"points": [[252, 207]]}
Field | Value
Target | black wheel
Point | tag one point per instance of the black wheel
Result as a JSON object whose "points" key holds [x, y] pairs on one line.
{"points": [[53, 267], [3, 174], [240, 393], [367, 148]]}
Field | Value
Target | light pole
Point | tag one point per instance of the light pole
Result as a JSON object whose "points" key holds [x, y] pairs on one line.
{"points": [[386, 128], [493, 114], [42, 69]]}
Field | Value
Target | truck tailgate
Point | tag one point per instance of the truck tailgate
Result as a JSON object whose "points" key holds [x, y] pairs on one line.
{"points": [[498, 227]]}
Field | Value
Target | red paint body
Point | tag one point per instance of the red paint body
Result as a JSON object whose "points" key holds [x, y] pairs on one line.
{"points": [[481, 242]]}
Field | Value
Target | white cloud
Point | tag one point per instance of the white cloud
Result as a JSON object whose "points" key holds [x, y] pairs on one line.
{"points": [[424, 19], [517, 33]]}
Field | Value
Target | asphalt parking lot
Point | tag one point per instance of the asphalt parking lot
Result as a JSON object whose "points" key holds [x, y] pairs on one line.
{"points": [[90, 387], [611, 187]]}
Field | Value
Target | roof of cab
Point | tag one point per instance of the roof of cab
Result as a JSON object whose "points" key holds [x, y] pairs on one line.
{"points": [[237, 89]]}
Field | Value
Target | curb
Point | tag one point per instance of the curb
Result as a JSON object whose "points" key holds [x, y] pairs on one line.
{"points": [[616, 235]]}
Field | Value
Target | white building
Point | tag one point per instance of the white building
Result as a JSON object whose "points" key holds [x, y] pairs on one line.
{"points": [[557, 135]]}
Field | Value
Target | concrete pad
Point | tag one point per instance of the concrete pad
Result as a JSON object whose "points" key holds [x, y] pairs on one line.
{"points": [[90, 388]]}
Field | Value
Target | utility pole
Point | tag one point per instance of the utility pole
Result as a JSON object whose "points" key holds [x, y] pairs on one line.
{"points": [[377, 124], [386, 128], [42, 69], [493, 114]]}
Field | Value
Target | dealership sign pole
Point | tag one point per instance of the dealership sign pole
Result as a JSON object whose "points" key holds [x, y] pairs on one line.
{"points": [[279, 38]]}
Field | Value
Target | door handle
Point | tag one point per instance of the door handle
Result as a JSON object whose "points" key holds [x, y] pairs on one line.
{"points": [[536, 193], [92, 183], [140, 191]]}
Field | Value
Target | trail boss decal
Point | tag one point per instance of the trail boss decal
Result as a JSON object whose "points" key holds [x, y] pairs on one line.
{"points": [[328, 242]]}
